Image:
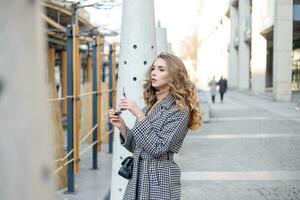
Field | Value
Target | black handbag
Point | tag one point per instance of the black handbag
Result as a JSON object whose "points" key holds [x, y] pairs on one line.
{"points": [[126, 168]]}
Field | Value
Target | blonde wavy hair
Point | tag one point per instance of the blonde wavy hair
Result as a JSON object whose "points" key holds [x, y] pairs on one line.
{"points": [[181, 87]]}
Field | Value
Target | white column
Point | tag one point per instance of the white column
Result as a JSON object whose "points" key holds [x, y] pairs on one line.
{"points": [[170, 47], [283, 41], [233, 52], [137, 52], [244, 50], [25, 140], [258, 51], [161, 39]]}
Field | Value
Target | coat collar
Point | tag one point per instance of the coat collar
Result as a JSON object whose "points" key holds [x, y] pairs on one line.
{"points": [[167, 102]]}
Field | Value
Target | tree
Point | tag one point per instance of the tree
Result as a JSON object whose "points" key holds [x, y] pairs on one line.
{"points": [[189, 48]]}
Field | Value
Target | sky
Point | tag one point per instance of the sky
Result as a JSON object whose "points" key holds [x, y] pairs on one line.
{"points": [[180, 17], [109, 19]]}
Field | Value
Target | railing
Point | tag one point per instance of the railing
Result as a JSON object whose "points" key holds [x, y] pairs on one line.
{"points": [[71, 159]]}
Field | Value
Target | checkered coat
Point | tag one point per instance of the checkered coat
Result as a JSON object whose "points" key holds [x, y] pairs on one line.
{"points": [[153, 142]]}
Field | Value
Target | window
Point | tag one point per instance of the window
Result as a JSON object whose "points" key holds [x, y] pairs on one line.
{"points": [[296, 1]]}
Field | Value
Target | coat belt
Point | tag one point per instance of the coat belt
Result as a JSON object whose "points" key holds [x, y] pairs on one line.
{"points": [[167, 156], [141, 156]]}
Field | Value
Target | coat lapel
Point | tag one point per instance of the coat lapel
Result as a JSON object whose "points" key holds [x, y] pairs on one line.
{"points": [[165, 104]]}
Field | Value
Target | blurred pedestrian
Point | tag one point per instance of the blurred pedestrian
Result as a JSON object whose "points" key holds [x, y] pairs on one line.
{"points": [[222, 87], [213, 88], [297, 107]]}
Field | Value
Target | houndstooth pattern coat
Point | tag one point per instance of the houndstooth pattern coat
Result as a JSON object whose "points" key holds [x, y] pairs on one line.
{"points": [[153, 142]]}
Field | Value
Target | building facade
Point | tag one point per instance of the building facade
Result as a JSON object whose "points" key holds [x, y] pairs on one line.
{"points": [[264, 50]]}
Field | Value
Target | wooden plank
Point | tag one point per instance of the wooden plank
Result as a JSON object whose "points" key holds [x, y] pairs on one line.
{"points": [[53, 23], [86, 120], [76, 89], [63, 37], [89, 69], [56, 123], [85, 38], [79, 75], [51, 65], [104, 114], [99, 86], [114, 81], [113, 74], [57, 8], [64, 81], [66, 12], [53, 34]]}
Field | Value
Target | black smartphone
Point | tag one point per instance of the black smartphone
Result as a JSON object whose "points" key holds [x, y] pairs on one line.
{"points": [[119, 112]]}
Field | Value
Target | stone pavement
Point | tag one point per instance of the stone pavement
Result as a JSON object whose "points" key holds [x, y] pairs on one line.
{"points": [[91, 184], [250, 150]]}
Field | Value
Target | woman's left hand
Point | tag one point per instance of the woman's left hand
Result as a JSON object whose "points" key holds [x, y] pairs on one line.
{"points": [[132, 107]]}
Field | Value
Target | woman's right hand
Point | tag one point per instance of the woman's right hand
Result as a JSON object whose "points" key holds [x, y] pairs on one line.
{"points": [[115, 120]]}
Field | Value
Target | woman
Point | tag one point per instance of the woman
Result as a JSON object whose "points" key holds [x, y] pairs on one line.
{"points": [[222, 87], [213, 88], [172, 108]]}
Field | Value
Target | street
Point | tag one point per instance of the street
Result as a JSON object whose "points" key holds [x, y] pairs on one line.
{"points": [[248, 151]]}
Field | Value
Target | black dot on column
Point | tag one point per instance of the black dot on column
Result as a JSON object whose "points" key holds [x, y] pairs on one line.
{"points": [[125, 62], [121, 158], [145, 62], [120, 190], [134, 78], [152, 47], [135, 46], [1, 86], [45, 173]]}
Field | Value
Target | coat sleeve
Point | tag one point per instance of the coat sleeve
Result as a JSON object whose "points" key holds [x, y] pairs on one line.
{"points": [[128, 142], [158, 142]]}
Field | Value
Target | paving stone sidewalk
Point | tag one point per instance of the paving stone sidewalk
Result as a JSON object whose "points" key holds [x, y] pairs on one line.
{"points": [[248, 151], [91, 184]]}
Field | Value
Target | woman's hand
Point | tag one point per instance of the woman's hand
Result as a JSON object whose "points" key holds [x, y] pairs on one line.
{"points": [[115, 120], [132, 107]]}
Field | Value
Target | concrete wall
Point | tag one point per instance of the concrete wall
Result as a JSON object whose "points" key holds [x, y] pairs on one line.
{"points": [[259, 49], [283, 46], [266, 11], [244, 48], [276, 16], [233, 51]]}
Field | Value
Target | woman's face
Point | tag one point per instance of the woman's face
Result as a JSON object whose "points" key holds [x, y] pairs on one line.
{"points": [[159, 74]]}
